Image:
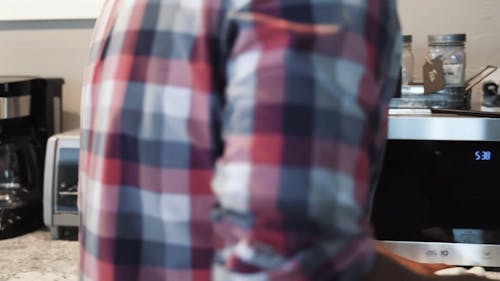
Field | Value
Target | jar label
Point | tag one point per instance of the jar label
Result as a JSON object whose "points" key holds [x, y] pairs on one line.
{"points": [[433, 74], [453, 74]]}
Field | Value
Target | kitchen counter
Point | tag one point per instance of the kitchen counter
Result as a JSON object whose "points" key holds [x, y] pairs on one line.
{"points": [[35, 256]]}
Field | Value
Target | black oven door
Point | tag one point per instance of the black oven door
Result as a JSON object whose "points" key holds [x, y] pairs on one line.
{"points": [[439, 201]]}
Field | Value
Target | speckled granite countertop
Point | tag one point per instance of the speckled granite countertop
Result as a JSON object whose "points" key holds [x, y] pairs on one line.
{"points": [[35, 256]]}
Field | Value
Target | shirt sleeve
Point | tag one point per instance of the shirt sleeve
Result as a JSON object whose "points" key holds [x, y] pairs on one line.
{"points": [[304, 125]]}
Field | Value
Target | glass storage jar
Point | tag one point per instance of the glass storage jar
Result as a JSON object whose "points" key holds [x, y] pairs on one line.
{"points": [[450, 48], [407, 60]]}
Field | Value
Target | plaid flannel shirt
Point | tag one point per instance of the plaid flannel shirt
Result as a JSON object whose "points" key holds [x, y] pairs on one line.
{"points": [[234, 139]]}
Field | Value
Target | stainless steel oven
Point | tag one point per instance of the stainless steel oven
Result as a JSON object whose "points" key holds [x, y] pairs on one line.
{"points": [[438, 196]]}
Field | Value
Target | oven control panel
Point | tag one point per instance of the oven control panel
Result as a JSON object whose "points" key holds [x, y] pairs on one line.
{"points": [[460, 254]]}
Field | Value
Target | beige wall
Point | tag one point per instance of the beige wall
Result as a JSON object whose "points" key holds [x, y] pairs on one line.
{"points": [[60, 48], [479, 19], [48, 49]]}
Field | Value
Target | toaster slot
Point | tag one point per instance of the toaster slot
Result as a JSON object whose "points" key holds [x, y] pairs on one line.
{"points": [[66, 181]]}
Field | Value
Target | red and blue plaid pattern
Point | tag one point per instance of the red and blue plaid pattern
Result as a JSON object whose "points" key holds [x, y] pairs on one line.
{"points": [[234, 139]]}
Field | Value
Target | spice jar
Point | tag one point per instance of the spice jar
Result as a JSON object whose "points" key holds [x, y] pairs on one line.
{"points": [[450, 49], [407, 61]]}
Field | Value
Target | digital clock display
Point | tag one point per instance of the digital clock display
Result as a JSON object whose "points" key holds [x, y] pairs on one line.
{"points": [[483, 155]]}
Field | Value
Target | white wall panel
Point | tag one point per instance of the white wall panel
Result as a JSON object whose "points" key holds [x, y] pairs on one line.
{"points": [[15, 10]]}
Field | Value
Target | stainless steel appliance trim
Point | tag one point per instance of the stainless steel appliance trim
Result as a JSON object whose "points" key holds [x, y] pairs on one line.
{"points": [[14, 107], [443, 127], [67, 219], [449, 253], [48, 181]]}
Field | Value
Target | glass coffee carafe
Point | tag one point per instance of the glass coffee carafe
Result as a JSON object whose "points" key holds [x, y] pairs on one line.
{"points": [[20, 196]]}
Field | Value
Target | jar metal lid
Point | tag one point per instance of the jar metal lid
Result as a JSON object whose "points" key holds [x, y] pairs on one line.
{"points": [[446, 38], [407, 38]]}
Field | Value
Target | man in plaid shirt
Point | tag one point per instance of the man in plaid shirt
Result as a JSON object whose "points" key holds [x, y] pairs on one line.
{"points": [[235, 139]]}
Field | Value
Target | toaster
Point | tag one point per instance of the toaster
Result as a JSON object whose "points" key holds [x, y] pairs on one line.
{"points": [[60, 211]]}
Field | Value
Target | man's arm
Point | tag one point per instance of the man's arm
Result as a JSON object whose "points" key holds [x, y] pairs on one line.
{"points": [[304, 124], [308, 83]]}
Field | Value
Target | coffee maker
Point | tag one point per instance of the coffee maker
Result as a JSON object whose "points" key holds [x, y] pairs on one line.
{"points": [[30, 112]]}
